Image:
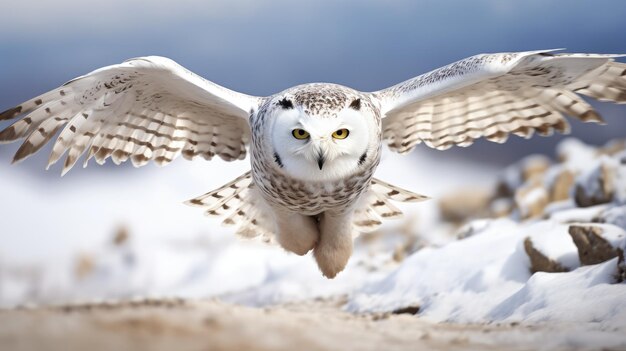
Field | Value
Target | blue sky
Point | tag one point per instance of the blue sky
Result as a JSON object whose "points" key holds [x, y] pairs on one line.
{"points": [[261, 47]]}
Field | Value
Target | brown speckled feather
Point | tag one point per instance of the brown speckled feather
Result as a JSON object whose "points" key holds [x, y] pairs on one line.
{"points": [[143, 109], [495, 95]]}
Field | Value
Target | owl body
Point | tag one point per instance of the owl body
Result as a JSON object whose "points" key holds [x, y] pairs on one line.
{"points": [[312, 195], [314, 147]]}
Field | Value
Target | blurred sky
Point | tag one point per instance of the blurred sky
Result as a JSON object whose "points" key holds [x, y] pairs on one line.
{"points": [[261, 47]]}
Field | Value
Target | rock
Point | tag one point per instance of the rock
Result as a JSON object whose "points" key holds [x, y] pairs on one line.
{"points": [[531, 199], [539, 262], [121, 236], [534, 166], [529, 168], [560, 189], [407, 310], [84, 266], [459, 206], [501, 207], [593, 248], [596, 187]]}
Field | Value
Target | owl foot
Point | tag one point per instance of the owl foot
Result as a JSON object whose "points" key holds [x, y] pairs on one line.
{"points": [[334, 248], [297, 233]]}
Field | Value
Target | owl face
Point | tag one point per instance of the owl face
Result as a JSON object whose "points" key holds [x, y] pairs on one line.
{"points": [[319, 147]]}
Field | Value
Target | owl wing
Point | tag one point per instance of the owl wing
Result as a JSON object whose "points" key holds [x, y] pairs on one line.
{"points": [[376, 205], [494, 95], [148, 108], [240, 205]]}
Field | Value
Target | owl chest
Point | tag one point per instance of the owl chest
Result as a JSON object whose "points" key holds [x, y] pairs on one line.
{"points": [[310, 198]]}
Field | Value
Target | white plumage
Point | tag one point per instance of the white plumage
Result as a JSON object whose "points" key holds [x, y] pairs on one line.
{"points": [[314, 147]]}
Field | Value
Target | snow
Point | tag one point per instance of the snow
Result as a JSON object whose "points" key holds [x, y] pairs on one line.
{"points": [[464, 282], [615, 215], [57, 248], [551, 296], [553, 241], [485, 277], [585, 214], [443, 280]]}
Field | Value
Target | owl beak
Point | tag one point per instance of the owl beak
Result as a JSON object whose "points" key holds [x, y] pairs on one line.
{"points": [[320, 160]]}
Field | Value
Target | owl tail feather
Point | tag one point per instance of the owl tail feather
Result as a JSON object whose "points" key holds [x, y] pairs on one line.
{"points": [[376, 205]]}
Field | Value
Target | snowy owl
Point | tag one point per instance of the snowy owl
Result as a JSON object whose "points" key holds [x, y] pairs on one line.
{"points": [[314, 147]]}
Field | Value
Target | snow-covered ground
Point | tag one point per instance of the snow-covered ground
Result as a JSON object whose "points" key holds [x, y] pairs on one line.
{"points": [[60, 247]]}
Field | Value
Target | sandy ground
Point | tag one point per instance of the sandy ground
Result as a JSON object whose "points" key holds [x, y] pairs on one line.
{"points": [[213, 325]]}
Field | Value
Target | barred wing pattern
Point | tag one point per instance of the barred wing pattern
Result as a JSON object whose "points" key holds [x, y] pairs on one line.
{"points": [[494, 95], [148, 108], [239, 204], [376, 205]]}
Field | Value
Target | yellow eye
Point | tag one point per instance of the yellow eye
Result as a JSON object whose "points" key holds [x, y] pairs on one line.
{"points": [[300, 134], [341, 133]]}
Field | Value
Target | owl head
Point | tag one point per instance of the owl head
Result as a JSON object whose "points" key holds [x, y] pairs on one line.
{"points": [[323, 135]]}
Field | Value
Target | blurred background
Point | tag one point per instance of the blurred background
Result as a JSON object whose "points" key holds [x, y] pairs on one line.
{"points": [[256, 47]]}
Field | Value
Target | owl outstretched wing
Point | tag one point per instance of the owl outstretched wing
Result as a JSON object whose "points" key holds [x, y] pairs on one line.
{"points": [[494, 95], [148, 108]]}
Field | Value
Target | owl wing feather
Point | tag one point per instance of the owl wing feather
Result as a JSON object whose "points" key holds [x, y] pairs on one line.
{"points": [[494, 95], [148, 108], [376, 206], [241, 206]]}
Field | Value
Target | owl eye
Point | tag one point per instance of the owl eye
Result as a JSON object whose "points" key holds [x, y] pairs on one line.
{"points": [[341, 133], [300, 134]]}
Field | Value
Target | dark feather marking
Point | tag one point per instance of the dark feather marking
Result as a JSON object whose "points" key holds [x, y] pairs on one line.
{"points": [[10, 113], [278, 160], [362, 158], [8, 134], [465, 114], [285, 103], [356, 104], [530, 118], [367, 223], [28, 148]]}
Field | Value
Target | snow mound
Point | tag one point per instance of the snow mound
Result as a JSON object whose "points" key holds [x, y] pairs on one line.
{"points": [[558, 257]]}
